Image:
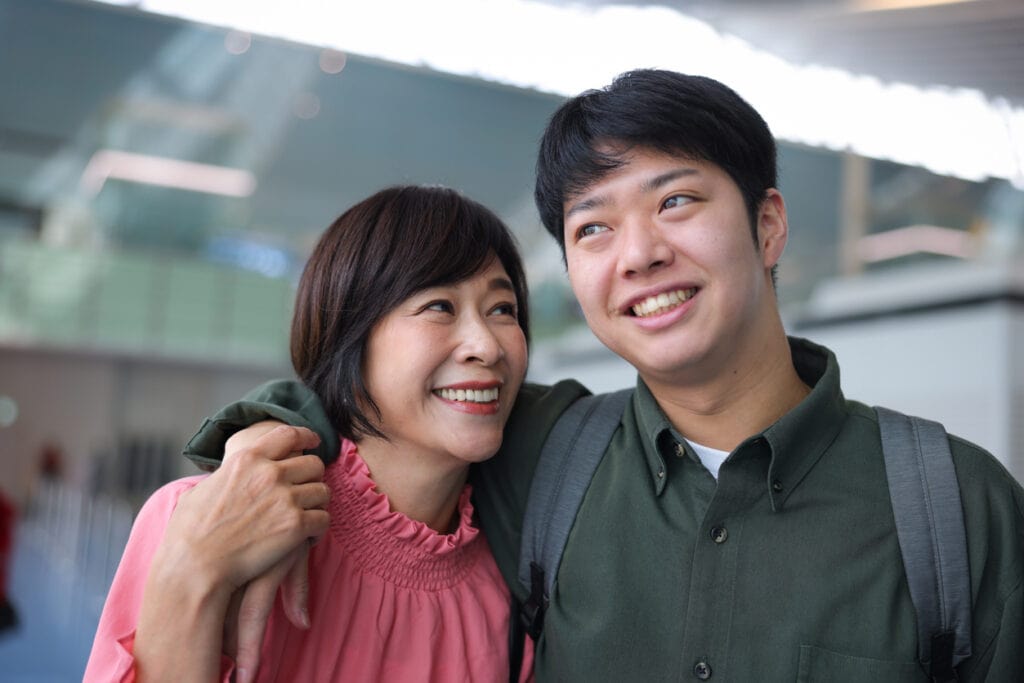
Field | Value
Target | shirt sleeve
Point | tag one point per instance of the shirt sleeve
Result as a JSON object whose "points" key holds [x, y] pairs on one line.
{"points": [[112, 656], [993, 505], [288, 401], [1004, 658]]}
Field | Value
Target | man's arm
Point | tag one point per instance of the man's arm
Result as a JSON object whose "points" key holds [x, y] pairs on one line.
{"points": [[1003, 658], [993, 506]]}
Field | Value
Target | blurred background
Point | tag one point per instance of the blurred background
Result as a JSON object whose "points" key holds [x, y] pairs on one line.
{"points": [[165, 168]]}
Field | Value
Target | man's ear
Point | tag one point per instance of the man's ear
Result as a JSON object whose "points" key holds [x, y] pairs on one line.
{"points": [[772, 227]]}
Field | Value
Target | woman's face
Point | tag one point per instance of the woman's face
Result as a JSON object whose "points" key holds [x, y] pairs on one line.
{"points": [[444, 368]]}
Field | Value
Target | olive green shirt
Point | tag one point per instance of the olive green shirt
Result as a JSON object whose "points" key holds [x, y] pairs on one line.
{"points": [[786, 569]]}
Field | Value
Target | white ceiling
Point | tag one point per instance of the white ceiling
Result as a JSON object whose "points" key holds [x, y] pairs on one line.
{"points": [[975, 44]]}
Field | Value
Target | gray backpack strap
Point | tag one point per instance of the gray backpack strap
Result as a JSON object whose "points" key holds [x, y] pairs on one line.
{"points": [[568, 460], [930, 527]]}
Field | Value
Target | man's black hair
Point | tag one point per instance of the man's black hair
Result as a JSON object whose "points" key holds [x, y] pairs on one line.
{"points": [[679, 114]]}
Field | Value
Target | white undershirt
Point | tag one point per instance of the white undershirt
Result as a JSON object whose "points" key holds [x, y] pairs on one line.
{"points": [[711, 458]]}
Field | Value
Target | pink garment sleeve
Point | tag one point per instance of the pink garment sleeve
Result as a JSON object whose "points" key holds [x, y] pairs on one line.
{"points": [[111, 658]]}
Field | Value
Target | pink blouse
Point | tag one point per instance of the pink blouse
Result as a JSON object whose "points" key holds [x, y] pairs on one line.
{"points": [[390, 599]]}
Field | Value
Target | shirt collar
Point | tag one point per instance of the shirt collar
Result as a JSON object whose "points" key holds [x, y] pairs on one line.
{"points": [[795, 442], [655, 432], [801, 436]]}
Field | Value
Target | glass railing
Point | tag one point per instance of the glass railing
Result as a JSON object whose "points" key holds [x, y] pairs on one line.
{"points": [[141, 303]]}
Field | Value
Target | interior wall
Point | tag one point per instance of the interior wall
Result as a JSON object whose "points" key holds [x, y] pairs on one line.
{"points": [[88, 405]]}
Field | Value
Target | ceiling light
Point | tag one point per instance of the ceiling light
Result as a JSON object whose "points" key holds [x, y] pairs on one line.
{"points": [[108, 164]]}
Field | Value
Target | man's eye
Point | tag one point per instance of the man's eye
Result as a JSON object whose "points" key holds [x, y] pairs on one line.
{"points": [[676, 200], [590, 229]]}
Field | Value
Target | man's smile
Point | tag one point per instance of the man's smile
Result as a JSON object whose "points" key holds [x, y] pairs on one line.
{"points": [[661, 303]]}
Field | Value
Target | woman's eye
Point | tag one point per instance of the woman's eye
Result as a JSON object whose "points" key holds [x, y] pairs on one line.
{"points": [[590, 229], [440, 306], [504, 309], [676, 200]]}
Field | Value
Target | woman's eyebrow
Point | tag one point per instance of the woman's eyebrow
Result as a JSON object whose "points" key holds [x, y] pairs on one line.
{"points": [[501, 284]]}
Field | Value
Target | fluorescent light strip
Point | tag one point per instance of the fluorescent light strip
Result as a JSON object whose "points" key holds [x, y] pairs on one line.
{"points": [[109, 164], [568, 48], [916, 239]]}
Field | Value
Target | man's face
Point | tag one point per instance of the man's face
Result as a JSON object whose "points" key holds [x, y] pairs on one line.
{"points": [[661, 257]]}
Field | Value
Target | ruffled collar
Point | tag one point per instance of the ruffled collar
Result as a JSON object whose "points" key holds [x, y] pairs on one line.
{"points": [[395, 547]]}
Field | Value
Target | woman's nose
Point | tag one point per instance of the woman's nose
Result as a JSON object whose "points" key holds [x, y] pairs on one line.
{"points": [[478, 343]]}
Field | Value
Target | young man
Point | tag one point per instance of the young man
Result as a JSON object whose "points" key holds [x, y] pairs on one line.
{"points": [[739, 525]]}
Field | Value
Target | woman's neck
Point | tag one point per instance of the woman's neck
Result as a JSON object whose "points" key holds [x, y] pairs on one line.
{"points": [[422, 486]]}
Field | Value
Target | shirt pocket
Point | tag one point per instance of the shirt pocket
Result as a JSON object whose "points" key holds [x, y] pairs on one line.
{"points": [[824, 666]]}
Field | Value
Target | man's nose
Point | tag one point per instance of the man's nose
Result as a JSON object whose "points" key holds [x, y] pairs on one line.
{"points": [[642, 249]]}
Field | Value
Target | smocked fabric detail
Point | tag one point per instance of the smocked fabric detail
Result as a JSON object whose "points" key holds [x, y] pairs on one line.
{"points": [[389, 544]]}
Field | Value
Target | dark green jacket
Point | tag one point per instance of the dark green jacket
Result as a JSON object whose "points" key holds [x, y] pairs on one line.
{"points": [[802, 579]]}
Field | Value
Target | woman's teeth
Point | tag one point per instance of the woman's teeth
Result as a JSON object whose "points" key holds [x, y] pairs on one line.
{"points": [[470, 395], [660, 303]]}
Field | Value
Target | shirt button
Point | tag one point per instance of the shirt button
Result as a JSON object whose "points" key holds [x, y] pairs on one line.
{"points": [[680, 450], [719, 534], [661, 473], [702, 670], [776, 486]]}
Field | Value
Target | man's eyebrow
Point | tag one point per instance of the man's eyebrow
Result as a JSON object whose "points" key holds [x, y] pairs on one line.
{"points": [[586, 205], [658, 181], [649, 185]]}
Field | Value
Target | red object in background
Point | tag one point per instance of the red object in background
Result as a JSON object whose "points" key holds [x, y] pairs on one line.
{"points": [[8, 516], [51, 461]]}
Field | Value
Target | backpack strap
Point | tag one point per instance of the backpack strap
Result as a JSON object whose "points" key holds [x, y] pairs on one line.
{"points": [[930, 528], [568, 460]]}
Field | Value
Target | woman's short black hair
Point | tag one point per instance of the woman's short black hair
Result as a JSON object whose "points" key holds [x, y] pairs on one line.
{"points": [[689, 116], [374, 256]]}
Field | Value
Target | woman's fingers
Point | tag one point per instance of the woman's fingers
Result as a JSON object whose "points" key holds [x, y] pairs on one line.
{"points": [[295, 589], [254, 610], [281, 442], [315, 523], [311, 495], [248, 436], [302, 469]]}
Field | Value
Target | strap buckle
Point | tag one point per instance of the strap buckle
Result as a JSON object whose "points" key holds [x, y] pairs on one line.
{"points": [[531, 614]]}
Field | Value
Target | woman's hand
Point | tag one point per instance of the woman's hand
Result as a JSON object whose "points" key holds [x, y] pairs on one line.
{"points": [[234, 526], [253, 511]]}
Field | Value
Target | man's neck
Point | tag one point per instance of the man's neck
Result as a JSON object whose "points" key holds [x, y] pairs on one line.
{"points": [[724, 410]]}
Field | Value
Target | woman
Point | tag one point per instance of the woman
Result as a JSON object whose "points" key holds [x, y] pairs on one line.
{"points": [[411, 324]]}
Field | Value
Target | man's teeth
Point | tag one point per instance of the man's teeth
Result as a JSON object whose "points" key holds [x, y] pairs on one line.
{"points": [[653, 305], [470, 395]]}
